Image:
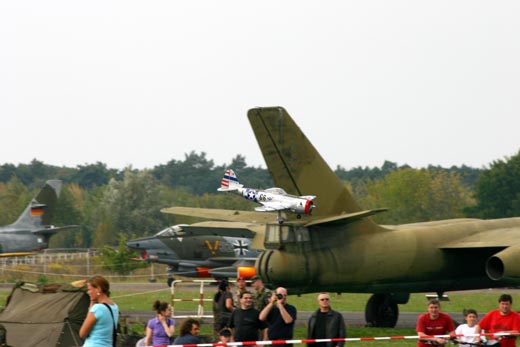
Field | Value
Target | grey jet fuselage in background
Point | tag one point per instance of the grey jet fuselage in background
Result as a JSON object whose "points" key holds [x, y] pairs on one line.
{"points": [[195, 251], [33, 229]]}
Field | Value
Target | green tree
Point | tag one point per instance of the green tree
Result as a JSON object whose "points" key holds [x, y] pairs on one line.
{"points": [[416, 196], [130, 206], [35, 173], [7, 171], [195, 173], [14, 197], [360, 175], [497, 190], [69, 211], [120, 260], [92, 175], [94, 215]]}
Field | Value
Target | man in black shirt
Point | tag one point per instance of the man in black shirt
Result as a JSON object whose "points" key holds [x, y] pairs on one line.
{"points": [[325, 323], [244, 320]]}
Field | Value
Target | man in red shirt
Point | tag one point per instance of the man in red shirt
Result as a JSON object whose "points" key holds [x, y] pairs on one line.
{"points": [[501, 320], [434, 322]]}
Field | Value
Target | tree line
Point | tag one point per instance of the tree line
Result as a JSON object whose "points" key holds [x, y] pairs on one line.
{"points": [[111, 204]]}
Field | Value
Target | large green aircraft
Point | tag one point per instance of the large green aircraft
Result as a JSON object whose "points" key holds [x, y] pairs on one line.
{"points": [[339, 248]]}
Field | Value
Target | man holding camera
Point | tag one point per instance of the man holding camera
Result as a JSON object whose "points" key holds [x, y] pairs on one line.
{"points": [[279, 316]]}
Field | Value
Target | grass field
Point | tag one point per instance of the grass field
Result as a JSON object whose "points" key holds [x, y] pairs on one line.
{"points": [[480, 301], [139, 300]]}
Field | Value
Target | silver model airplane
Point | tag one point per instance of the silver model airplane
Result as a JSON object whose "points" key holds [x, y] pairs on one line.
{"points": [[33, 229], [200, 250], [272, 199]]}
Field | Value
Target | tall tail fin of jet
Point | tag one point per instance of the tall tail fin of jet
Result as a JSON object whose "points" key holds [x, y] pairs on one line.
{"points": [[229, 182], [40, 211], [295, 165]]}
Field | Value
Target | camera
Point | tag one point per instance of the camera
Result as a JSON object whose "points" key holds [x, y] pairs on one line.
{"points": [[279, 296]]}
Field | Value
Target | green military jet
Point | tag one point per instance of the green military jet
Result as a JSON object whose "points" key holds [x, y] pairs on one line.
{"points": [[339, 248], [205, 249]]}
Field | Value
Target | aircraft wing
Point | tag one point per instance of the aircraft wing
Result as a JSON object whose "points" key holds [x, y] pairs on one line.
{"points": [[345, 218], [221, 214], [53, 230], [497, 238], [271, 206], [233, 260], [233, 229], [16, 254]]}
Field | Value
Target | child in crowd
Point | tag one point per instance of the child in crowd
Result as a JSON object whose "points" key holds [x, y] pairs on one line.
{"points": [[224, 335], [471, 317]]}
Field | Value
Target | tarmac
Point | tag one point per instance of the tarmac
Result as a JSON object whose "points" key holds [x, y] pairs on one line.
{"points": [[407, 320]]}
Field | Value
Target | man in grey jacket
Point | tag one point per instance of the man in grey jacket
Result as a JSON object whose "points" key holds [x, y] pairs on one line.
{"points": [[325, 323]]}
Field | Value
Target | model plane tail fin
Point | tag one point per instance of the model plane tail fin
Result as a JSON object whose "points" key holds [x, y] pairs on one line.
{"points": [[295, 165], [229, 182]]}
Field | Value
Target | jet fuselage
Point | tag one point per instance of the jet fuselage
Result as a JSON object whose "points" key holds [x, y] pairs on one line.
{"points": [[407, 258]]}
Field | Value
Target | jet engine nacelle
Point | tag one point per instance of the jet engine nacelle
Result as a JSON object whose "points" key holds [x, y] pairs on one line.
{"points": [[303, 207], [504, 264]]}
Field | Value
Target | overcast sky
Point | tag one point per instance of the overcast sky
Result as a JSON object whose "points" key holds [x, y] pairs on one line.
{"points": [[141, 83]]}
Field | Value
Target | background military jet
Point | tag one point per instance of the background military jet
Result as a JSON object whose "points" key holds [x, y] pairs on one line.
{"points": [[201, 250], [33, 229], [341, 249]]}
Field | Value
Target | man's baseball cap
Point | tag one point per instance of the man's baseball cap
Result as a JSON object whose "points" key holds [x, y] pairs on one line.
{"points": [[254, 278]]}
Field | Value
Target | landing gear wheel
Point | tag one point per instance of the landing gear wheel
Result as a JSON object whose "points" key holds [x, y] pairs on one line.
{"points": [[299, 216], [381, 311], [280, 217], [170, 281]]}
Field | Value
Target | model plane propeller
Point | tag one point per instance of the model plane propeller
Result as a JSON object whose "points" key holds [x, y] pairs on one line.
{"points": [[272, 199]]}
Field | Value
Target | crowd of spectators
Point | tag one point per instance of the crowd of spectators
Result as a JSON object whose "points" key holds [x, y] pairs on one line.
{"points": [[261, 314]]}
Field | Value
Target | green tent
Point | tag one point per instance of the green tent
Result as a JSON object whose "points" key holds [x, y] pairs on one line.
{"points": [[45, 315]]}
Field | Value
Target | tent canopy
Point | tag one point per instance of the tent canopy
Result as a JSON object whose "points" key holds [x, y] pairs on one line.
{"points": [[45, 315]]}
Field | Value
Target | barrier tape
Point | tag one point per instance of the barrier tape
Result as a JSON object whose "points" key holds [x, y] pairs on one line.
{"points": [[492, 336]]}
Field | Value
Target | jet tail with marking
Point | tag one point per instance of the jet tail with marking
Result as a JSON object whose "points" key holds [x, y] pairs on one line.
{"points": [[37, 218], [40, 211]]}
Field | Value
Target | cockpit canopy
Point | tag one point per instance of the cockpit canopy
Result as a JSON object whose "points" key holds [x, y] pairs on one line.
{"points": [[277, 235], [276, 190], [174, 230]]}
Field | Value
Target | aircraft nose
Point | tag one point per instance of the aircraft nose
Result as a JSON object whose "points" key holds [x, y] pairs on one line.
{"points": [[276, 267], [309, 206], [133, 245]]}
